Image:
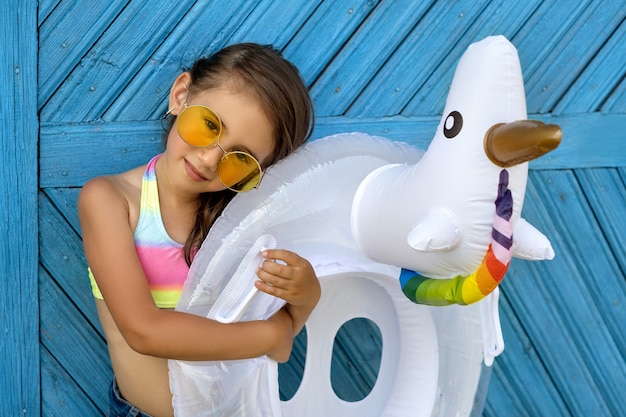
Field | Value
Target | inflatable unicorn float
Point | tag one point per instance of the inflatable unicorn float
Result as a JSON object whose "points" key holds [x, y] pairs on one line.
{"points": [[394, 234]]}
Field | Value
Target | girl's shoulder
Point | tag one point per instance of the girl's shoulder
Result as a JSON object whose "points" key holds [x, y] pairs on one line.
{"points": [[123, 185], [113, 191]]}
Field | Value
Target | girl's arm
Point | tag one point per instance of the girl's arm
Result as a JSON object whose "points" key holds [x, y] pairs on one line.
{"points": [[292, 279], [110, 251]]}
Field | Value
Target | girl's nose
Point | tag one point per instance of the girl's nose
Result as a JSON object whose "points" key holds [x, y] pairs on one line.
{"points": [[210, 156]]}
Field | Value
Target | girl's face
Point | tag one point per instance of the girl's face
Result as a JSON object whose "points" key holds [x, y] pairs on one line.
{"points": [[245, 127]]}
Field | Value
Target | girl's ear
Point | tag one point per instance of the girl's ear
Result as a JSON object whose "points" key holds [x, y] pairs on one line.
{"points": [[178, 93]]}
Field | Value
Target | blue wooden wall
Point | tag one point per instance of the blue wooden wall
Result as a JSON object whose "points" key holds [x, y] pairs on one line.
{"points": [[19, 309], [85, 83]]}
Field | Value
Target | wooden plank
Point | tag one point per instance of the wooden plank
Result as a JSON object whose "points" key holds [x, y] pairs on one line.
{"points": [[45, 7], [577, 32], [66, 36], [520, 384], [76, 346], [145, 96], [542, 33], [64, 260], [121, 146], [591, 140], [604, 190], [386, 94], [66, 201], [116, 57], [354, 65], [498, 18], [274, 22], [127, 145], [557, 349], [616, 103], [335, 22], [19, 361], [600, 79], [563, 303], [423, 86], [61, 395]]}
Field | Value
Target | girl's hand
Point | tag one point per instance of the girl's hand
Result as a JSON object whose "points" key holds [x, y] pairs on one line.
{"points": [[286, 275]]}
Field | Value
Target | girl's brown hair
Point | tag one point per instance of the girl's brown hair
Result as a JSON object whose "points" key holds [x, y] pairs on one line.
{"points": [[259, 70]]}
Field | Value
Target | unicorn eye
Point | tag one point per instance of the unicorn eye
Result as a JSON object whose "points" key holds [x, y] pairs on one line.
{"points": [[453, 124]]}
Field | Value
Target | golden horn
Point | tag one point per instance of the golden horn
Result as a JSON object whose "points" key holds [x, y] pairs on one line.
{"points": [[510, 144]]}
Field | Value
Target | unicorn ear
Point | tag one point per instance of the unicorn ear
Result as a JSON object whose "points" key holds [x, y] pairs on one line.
{"points": [[439, 230]]}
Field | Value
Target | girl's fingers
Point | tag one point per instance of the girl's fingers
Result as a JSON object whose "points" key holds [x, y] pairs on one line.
{"points": [[286, 275], [267, 288], [271, 277], [270, 267], [287, 257]]}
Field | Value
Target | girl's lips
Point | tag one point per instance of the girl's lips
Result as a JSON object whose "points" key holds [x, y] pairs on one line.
{"points": [[193, 173]]}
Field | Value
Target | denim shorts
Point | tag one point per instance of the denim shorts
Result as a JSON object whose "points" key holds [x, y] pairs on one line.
{"points": [[119, 407]]}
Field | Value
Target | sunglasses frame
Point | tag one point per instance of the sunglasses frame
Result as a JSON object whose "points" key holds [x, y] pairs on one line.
{"points": [[216, 143]]}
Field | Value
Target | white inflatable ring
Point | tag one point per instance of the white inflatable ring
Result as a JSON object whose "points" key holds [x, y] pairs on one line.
{"points": [[305, 203], [407, 380]]}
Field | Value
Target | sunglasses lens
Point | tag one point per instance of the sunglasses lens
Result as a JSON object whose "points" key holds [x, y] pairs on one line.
{"points": [[199, 126], [239, 171]]}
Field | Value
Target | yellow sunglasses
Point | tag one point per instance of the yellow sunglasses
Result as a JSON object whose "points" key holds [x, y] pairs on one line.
{"points": [[200, 126]]}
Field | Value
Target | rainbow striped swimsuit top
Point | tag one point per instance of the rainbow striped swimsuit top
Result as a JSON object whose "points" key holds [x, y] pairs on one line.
{"points": [[161, 257]]}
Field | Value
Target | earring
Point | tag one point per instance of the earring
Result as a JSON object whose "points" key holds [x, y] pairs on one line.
{"points": [[166, 122]]}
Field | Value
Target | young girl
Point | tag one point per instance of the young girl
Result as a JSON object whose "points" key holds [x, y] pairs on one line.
{"points": [[234, 114]]}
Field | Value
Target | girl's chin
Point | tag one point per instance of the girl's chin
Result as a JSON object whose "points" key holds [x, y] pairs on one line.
{"points": [[211, 186]]}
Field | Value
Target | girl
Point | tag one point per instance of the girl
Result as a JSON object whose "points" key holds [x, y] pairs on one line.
{"points": [[234, 114]]}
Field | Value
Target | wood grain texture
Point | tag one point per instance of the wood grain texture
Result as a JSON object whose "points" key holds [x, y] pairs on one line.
{"points": [[19, 310], [61, 395], [566, 320], [589, 140], [378, 66]]}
